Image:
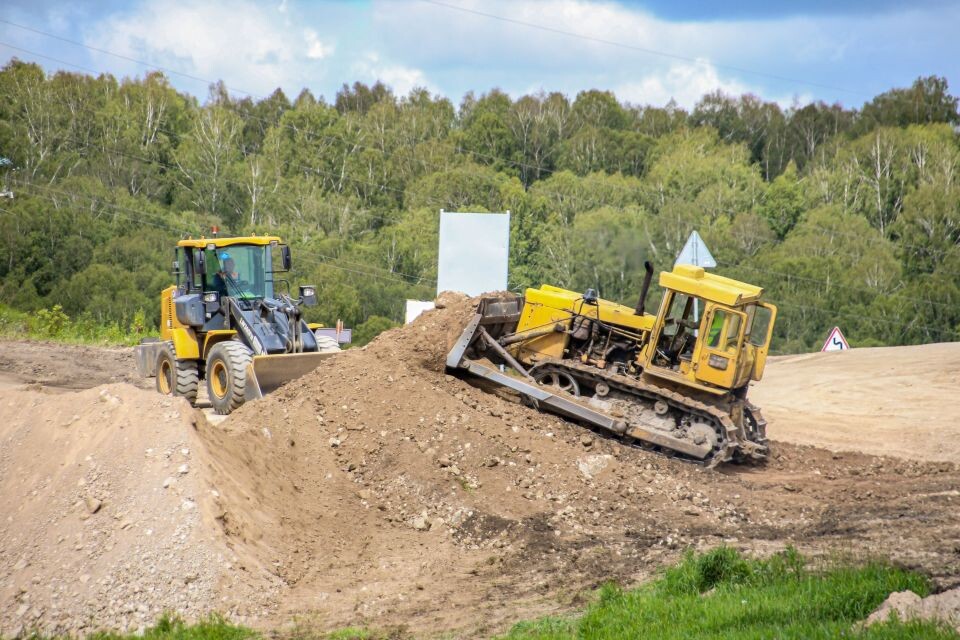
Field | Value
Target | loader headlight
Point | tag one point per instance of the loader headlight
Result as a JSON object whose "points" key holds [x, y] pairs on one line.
{"points": [[211, 296], [308, 295], [718, 362]]}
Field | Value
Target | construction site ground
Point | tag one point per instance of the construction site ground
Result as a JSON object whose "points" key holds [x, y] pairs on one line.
{"points": [[380, 490]]}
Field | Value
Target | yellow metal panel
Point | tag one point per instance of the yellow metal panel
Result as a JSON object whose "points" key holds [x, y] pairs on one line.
{"points": [[719, 346], [543, 308], [681, 378], [548, 306], [572, 301], [200, 243], [185, 343], [695, 281], [168, 315], [215, 336]]}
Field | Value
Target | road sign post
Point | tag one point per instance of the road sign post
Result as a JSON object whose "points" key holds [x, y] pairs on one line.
{"points": [[695, 252]]}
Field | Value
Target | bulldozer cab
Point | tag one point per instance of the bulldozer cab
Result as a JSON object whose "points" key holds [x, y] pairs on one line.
{"points": [[711, 332]]}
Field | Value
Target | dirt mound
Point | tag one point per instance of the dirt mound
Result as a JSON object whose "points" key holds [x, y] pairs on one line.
{"points": [[393, 493], [882, 401], [906, 605], [381, 490], [108, 519]]}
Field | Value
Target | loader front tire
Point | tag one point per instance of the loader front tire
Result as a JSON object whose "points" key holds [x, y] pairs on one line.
{"points": [[227, 375], [176, 377]]}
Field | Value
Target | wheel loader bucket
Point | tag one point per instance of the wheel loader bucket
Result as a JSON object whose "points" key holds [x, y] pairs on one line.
{"points": [[266, 374]]}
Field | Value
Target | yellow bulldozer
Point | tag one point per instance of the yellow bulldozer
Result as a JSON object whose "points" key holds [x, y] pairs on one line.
{"points": [[676, 381], [226, 322]]}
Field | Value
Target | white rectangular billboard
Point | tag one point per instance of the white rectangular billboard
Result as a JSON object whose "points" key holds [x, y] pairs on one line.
{"points": [[474, 252]]}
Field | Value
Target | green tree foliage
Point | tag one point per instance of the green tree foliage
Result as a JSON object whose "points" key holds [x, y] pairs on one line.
{"points": [[846, 216]]}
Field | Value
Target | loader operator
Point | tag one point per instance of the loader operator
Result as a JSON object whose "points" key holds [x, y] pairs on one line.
{"points": [[226, 276]]}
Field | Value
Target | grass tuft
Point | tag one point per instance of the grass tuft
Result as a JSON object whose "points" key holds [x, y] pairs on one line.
{"points": [[724, 594]]}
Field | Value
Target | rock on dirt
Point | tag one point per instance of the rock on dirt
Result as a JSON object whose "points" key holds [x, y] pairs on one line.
{"points": [[88, 540], [906, 605]]}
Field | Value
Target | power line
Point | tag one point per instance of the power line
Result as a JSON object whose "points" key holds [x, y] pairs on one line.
{"points": [[836, 284], [116, 55], [136, 216], [573, 198], [379, 185], [646, 50], [133, 215], [317, 170]]}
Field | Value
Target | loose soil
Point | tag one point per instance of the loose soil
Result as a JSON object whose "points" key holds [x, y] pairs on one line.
{"points": [[882, 401], [381, 490]]}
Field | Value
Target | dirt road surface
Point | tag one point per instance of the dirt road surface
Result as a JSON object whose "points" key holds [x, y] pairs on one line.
{"points": [[883, 401], [379, 490]]}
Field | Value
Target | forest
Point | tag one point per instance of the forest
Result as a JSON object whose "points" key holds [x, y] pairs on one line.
{"points": [[847, 216]]}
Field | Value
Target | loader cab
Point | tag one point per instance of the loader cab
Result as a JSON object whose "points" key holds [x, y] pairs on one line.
{"points": [[238, 269], [711, 332]]}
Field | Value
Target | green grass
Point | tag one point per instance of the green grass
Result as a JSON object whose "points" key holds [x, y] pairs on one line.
{"points": [[54, 325], [722, 594], [719, 594]]}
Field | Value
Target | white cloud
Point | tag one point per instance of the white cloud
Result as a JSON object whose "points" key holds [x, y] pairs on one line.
{"points": [[251, 47], [398, 77], [316, 50], [662, 59], [685, 83]]}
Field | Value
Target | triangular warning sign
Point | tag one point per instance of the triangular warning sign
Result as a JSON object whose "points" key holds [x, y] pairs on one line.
{"points": [[835, 341], [695, 252]]}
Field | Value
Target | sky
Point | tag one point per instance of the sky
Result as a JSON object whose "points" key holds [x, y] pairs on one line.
{"points": [[647, 53]]}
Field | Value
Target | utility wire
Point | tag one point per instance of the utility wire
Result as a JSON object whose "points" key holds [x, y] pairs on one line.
{"points": [[380, 186], [573, 198], [835, 284], [137, 216], [117, 55], [631, 47]]}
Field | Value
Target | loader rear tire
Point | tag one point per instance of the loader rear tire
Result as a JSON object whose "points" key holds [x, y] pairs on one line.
{"points": [[227, 375], [176, 377]]}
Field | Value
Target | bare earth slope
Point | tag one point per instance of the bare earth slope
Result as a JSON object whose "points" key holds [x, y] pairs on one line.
{"points": [[380, 490], [884, 401]]}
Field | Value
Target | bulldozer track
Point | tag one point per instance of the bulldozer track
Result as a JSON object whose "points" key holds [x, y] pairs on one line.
{"points": [[732, 439]]}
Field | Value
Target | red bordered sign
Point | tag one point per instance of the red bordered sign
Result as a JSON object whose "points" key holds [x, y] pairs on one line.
{"points": [[835, 341]]}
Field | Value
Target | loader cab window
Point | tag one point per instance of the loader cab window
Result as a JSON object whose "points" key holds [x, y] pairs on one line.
{"points": [[192, 280], [678, 335], [239, 271], [724, 331]]}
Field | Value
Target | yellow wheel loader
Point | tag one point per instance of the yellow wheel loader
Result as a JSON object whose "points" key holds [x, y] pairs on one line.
{"points": [[225, 322], [675, 382]]}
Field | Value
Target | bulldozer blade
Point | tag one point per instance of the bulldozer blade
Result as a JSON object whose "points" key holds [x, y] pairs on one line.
{"points": [[266, 374]]}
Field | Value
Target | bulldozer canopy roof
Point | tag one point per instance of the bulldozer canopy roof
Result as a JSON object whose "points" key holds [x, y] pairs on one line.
{"points": [[695, 281], [200, 243]]}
